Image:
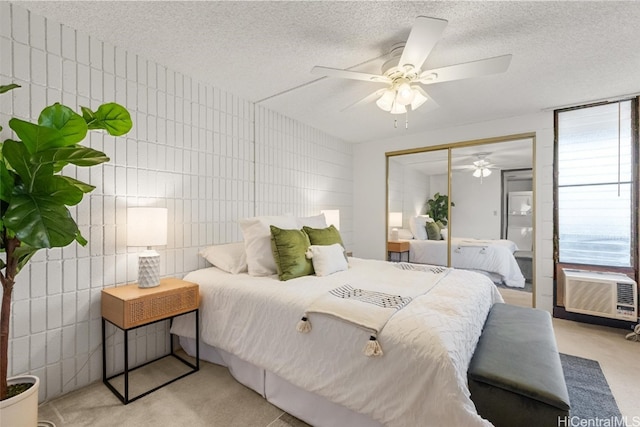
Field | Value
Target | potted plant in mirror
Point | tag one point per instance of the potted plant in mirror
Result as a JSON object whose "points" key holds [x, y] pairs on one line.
{"points": [[437, 208], [34, 200]]}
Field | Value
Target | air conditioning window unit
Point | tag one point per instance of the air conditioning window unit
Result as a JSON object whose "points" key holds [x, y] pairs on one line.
{"points": [[603, 294]]}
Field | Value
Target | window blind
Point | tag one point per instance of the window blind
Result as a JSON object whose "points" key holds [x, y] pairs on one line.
{"points": [[595, 184]]}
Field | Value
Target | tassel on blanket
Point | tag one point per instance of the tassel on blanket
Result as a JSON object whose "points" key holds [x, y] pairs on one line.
{"points": [[373, 349], [303, 326]]}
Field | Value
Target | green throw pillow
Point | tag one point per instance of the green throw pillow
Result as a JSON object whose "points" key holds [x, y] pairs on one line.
{"points": [[289, 248], [323, 236], [433, 231]]}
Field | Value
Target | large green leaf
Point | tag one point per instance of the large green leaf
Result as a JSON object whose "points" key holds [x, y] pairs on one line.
{"points": [[6, 182], [59, 189], [15, 153], [77, 155], [40, 221], [35, 137], [70, 124], [24, 253], [82, 186], [112, 117]]}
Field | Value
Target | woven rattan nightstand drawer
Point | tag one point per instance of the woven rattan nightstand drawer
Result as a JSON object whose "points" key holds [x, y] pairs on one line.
{"points": [[130, 306]]}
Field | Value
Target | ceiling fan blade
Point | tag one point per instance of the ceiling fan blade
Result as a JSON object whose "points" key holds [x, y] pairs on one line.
{"points": [[483, 67], [423, 37], [346, 74], [366, 100]]}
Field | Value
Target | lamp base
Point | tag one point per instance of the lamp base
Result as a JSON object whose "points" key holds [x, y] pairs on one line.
{"points": [[148, 269], [394, 234]]}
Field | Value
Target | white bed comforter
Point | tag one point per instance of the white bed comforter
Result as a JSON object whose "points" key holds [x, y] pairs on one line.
{"points": [[420, 380], [491, 256]]}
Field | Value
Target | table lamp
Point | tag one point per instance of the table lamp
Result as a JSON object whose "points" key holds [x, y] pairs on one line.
{"points": [[395, 221], [147, 227]]}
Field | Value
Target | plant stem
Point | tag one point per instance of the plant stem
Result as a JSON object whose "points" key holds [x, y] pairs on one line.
{"points": [[8, 280]]}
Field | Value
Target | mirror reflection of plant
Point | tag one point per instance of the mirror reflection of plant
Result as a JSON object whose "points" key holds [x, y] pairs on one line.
{"points": [[35, 195], [437, 207]]}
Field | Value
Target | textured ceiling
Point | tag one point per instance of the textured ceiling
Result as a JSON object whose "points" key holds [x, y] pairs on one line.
{"points": [[563, 53]]}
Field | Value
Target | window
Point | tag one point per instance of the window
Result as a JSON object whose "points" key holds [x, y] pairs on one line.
{"points": [[595, 185]]}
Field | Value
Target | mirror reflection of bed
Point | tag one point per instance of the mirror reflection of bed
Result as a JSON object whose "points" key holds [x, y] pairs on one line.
{"points": [[490, 227]]}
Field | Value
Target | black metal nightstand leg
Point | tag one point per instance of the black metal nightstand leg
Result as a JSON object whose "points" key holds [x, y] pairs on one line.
{"points": [[197, 340], [104, 353], [126, 366]]}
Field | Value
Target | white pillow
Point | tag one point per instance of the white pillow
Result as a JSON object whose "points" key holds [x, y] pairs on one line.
{"points": [[327, 259], [318, 221], [230, 257], [257, 241], [404, 234], [417, 226], [444, 233]]}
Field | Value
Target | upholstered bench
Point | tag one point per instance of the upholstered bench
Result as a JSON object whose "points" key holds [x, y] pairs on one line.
{"points": [[515, 376]]}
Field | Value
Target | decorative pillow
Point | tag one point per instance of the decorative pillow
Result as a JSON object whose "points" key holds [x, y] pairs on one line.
{"points": [[289, 253], [318, 221], [324, 236], [433, 231], [417, 226], [230, 257], [257, 241], [444, 233], [327, 259]]}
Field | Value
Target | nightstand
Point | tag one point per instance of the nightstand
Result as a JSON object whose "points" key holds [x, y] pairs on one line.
{"points": [[129, 307], [397, 247]]}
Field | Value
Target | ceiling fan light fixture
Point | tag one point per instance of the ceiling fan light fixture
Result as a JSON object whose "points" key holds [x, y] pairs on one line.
{"points": [[386, 101], [398, 108], [405, 93], [419, 97], [482, 172]]}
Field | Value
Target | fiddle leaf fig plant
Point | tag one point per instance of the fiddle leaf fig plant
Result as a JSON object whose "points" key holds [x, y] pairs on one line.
{"points": [[438, 206], [35, 194]]}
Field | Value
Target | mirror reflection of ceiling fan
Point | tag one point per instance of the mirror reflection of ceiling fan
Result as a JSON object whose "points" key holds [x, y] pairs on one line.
{"points": [[481, 167], [403, 73]]}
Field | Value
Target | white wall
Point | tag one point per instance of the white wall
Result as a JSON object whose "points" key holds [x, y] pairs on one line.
{"points": [[205, 154], [477, 210], [408, 191], [369, 184]]}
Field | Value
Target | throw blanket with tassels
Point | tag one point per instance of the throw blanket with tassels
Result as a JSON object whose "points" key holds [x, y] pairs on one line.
{"points": [[370, 305]]}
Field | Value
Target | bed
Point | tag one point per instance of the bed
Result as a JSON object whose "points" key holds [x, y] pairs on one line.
{"points": [[249, 323], [491, 257]]}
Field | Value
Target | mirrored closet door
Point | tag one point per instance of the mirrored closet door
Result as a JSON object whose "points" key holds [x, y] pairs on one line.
{"points": [[468, 205]]}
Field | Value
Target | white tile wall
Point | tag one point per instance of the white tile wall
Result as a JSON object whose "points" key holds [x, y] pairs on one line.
{"points": [[207, 155]]}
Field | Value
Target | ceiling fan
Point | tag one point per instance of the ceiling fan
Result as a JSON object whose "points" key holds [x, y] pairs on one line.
{"points": [[403, 73], [481, 167]]}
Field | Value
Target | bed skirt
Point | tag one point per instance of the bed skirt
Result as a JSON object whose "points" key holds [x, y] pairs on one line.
{"points": [[307, 406]]}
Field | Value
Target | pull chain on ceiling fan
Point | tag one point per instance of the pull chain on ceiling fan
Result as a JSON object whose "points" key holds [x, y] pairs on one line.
{"points": [[403, 73]]}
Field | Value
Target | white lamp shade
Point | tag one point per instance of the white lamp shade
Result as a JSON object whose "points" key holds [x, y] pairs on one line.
{"points": [[420, 97], [332, 216], [405, 94], [482, 172], [146, 226], [395, 219], [398, 108], [385, 102]]}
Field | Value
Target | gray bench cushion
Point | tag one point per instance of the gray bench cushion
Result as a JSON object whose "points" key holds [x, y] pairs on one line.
{"points": [[516, 369]]}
